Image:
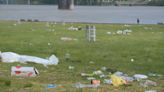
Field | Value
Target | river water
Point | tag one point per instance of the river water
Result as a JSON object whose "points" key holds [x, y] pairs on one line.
{"points": [[96, 14]]}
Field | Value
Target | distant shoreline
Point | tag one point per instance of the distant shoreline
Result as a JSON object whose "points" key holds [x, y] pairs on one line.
{"points": [[85, 14], [84, 22]]}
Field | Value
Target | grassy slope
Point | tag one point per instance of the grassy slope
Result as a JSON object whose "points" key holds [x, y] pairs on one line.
{"points": [[146, 47]]}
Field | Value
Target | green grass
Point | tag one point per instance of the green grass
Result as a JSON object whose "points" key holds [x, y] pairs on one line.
{"points": [[145, 46]]}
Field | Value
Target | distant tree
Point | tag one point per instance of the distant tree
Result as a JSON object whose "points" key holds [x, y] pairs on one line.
{"points": [[156, 2]]}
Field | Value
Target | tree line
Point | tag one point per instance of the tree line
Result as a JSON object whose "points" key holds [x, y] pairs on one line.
{"points": [[97, 2], [156, 2]]}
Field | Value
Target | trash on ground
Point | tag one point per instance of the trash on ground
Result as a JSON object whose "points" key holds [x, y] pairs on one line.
{"points": [[50, 26], [132, 60], [49, 86], [103, 68], [151, 91], [80, 85], [117, 78], [91, 62], [120, 32], [91, 78], [147, 83], [124, 32], [154, 75], [86, 75], [127, 25], [139, 77], [109, 33], [71, 67], [118, 73], [14, 24], [68, 39], [107, 81], [98, 72], [124, 77], [117, 81], [128, 79], [95, 82], [102, 76], [48, 44], [11, 57], [73, 28], [24, 71]]}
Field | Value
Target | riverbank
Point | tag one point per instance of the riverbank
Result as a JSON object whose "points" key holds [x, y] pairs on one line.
{"points": [[111, 14]]}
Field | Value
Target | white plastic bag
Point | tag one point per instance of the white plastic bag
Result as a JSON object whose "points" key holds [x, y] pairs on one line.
{"points": [[9, 57], [13, 57]]}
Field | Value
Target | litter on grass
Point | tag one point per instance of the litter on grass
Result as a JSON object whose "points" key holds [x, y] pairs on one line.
{"points": [[132, 60], [124, 32], [127, 25], [121, 32], [151, 91], [98, 72], [80, 85], [91, 78], [10, 57], [95, 82], [117, 81], [147, 83], [73, 28], [68, 39], [71, 67], [116, 78], [139, 77], [87, 75], [91, 62], [24, 71], [107, 81], [154, 75], [51, 86]]}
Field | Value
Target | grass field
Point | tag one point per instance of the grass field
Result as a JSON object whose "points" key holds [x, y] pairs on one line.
{"points": [[145, 45]]}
